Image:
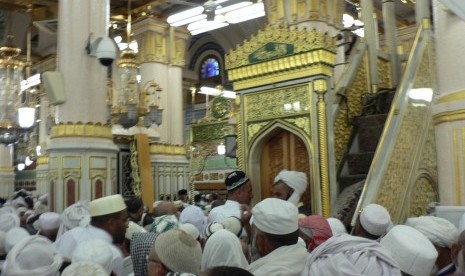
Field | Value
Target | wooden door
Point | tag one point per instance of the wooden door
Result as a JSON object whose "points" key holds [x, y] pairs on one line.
{"points": [[284, 151]]}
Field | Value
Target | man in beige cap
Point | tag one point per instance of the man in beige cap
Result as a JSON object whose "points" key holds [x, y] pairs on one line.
{"points": [[109, 220], [373, 222], [275, 233], [174, 251]]}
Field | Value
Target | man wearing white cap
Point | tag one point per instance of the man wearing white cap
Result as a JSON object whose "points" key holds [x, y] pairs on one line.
{"points": [[49, 223], [414, 253], [372, 222], [34, 255], [77, 214], [290, 185], [443, 234], [109, 220], [239, 190], [275, 233]]}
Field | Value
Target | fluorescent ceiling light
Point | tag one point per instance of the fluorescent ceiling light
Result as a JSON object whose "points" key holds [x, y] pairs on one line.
{"points": [[237, 11], [184, 14], [421, 94], [30, 82], [215, 92]]}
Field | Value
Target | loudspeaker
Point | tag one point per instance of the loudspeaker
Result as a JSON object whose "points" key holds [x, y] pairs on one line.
{"points": [[54, 87], [231, 146]]}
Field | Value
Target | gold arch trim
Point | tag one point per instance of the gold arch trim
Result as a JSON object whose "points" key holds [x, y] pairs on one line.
{"points": [[81, 130], [450, 116], [167, 149], [42, 160], [7, 169], [452, 97]]}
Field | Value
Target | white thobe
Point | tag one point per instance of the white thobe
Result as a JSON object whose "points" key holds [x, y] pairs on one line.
{"points": [[285, 260], [67, 243], [230, 208]]}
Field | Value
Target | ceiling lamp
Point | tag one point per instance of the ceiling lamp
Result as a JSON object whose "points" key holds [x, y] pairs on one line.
{"points": [[10, 80], [134, 102], [210, 91], [216, 14]]}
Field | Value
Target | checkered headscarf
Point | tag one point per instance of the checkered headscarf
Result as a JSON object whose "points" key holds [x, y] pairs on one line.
{"points": [[141, 244]]}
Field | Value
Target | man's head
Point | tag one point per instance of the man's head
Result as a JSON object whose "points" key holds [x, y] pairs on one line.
{"points": [[135, 208], [49, 222], [314, 230], [372, 222], [165, 208], [458, 253], [414, 253], [442, 233], [239, 187], [182, 195], [174, 251], [109, 213], [274, 225], [290, 185]]}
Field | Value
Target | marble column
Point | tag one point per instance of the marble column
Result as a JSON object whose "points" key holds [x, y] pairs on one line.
{"points": [[7, 172], [448, 112], [82, 156]]}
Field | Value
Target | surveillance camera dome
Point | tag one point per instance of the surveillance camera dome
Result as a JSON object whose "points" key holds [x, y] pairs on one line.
{"points": [[106, 51]]}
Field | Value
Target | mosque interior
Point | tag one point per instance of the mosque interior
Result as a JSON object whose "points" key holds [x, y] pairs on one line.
{"points": [[298, 88]]}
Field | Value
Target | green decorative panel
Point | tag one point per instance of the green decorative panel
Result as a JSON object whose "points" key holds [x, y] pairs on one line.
{"points": [[209, 132], [271, 50]]}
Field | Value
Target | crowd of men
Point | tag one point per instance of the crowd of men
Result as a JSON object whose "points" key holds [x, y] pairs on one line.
{"points": [[111, 236]]}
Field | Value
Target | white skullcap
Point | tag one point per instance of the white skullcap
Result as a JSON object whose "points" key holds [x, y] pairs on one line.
{"points": [[40, 208], [223, 248], [133, 228], [439, 231], [18, 202], [34, 255], [233, 225], [107, 205], [8, 221], [195, 216], [190, 229], [296, 180], [49, 221], [336, 226], [2, 243], [415, 254], [84, 268], [275, 216], [14, 236], [44, 199], [375, 219], [96, 251], [178, 251]]}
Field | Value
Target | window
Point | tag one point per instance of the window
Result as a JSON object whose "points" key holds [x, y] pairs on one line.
{"points": [[210, 68]]}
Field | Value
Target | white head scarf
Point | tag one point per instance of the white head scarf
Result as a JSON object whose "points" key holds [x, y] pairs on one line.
{"points": [[96, 251], [336, 226], [14, 236], [295, 180], [84, 268], [350, 255], [75, 215], [8, 220], [439, 231], [195, 216], [34, 256], [223, 248]]}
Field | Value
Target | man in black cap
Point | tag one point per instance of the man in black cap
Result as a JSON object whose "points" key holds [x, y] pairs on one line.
{"points": [[239, 190]]}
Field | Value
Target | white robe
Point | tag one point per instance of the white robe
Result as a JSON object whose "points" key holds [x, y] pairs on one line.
{"points": [[66, 244], [230, 208], [285, 260]]}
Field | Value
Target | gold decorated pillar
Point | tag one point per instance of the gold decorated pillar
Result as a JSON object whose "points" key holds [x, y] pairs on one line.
{"points": [[7, 173], [162, 52], [162, 56], [320, 88], [82, 156]]}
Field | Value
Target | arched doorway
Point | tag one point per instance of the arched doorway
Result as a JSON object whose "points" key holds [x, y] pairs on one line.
{"points": [[279, 149]]}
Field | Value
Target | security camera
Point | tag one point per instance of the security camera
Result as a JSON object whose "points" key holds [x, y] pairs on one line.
{"points": [[103, 48]]}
